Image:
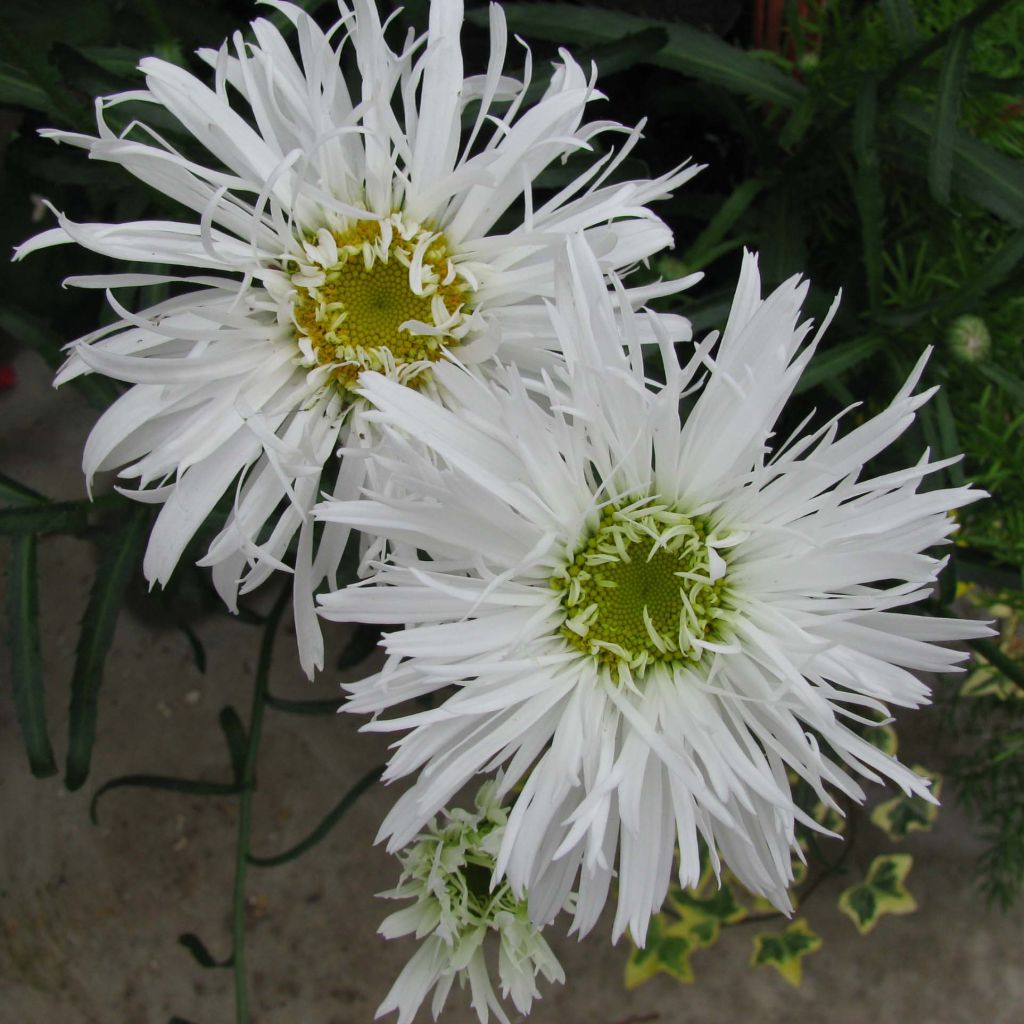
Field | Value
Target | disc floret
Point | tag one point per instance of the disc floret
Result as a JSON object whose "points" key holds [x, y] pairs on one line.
{"points": [[647, 586], [384, 295]]}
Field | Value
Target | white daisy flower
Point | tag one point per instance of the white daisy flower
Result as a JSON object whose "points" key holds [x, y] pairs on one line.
{"points": [[648, 615], [449, 872], [337, 232]]}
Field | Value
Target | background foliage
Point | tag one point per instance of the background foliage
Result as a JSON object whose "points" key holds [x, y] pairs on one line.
{"points": [[878, 147]]}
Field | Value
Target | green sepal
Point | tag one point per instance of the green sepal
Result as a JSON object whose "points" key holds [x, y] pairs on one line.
{"points": [[882, 892], [903, 814], [785, 950]]}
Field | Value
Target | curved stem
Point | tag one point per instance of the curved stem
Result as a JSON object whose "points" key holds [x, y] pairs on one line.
{"points": [[248, 785]]}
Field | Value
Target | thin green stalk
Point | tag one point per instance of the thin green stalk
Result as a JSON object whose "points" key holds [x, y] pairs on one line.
{"points": [[248, 784]]}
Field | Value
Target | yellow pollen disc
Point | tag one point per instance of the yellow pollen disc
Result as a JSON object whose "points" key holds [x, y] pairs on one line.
{"points": [[640, 590], [351, 318]]}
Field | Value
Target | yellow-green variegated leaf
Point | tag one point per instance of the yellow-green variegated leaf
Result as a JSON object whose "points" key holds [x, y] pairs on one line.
{"points": [[884, 737], [882, 892], [719, 905], [667, 951], [986, 681], [785, 950], [903, 814]]}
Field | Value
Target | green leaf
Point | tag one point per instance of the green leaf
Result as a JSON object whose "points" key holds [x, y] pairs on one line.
{"points": [[667, 950], [707, 246], [119, 558], [325, 826], [26, 657], [987, 177], [14, 493], [234, 733], [884, 738], [837, 360], [304, 707], [200, 953], [689, 51], [17, 91], [1009, 382], [53, 517], [904, 814], [868, 186], [786, 950], [882, 892], [947, 113], [166, 783], [902, 23]]}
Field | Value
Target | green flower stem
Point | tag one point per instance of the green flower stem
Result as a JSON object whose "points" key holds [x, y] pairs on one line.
{"points": [[248, 786], [998, 659]]}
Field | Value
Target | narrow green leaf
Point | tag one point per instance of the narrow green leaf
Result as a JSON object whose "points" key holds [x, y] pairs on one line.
{"points": [[622, 54], [17, 91], [835, 361], [902, 23], [688, 50], [119, 557], [325, 826], [166, 783], [54, 517], [1009, 382], [947, 113], [26, 657], [985, 176], [200, 953], [234, 734], [14, 493], [304, 707], [949, 440], [868, 186], [709, 240]]}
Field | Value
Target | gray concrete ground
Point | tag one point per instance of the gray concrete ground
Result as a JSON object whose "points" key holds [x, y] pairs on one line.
{"points": [[89, 915]]}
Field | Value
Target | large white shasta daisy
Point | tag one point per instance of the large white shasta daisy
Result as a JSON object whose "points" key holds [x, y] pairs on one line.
{"points": [[336, 232], [649, 607]]}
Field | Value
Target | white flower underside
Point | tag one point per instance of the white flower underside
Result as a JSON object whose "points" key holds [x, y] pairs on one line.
{"points": [[224, 401], [615, 770], [453, 925]]}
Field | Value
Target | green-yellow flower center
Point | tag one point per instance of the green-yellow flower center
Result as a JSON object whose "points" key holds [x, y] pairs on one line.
{"points": [[380, 295], [645, 587]]}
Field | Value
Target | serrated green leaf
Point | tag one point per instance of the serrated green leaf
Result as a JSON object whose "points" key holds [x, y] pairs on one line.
{"points": [[119, 558], [326, 825], [53, 517], [904, 814], [947, 113], [786, 950], [26, 656], [882, 892], [689, 51], [165, 783], [989, 178]]}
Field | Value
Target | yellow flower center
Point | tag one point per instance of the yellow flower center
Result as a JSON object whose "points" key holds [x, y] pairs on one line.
{"points": [[644, 588], [380, 295]]}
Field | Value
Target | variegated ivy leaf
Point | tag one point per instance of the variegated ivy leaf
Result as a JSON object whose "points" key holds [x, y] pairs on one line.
{"points": [[882, 892], [884, 737], [785, 950], [903, 814], [667, 951]]}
